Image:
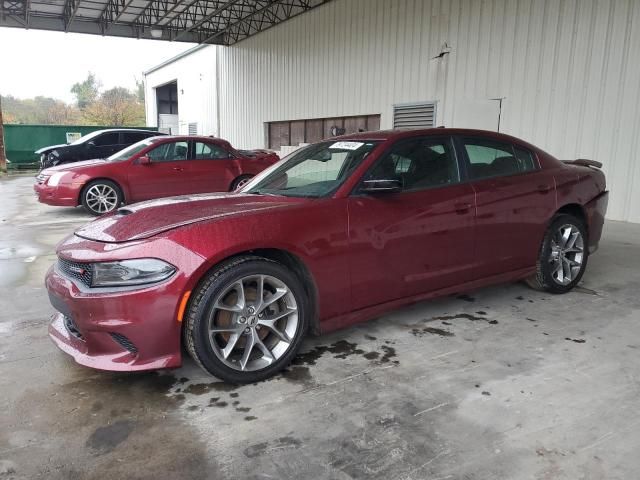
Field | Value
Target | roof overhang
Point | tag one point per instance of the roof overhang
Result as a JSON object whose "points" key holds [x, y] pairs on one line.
{"points": [[196, 21]]}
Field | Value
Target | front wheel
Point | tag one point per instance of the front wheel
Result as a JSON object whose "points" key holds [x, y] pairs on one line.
{"points": [[101, 196], [246, 320], [563, 256]]}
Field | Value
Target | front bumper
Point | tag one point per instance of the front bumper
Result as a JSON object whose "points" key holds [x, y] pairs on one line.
{"points": [[60, 196], [120, 330]]}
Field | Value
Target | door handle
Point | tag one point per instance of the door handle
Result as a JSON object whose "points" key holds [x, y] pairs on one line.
{"points": [[178, 169], [544, 188], [462, 208]]}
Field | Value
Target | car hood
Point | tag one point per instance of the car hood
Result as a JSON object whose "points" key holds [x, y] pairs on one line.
{"points": [[50, 147], [68, 167], [146, 219]]}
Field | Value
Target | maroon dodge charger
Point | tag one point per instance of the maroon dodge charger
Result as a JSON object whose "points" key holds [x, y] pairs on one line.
{"points": [[338, 232]]}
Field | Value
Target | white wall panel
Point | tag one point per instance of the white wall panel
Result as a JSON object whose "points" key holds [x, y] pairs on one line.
{"points": [[196, 77], [569, 71]]}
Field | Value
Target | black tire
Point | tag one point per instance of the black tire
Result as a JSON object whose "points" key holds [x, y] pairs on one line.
{"points": [[240, 181], [544, 278], [88, 202], [201, 309]]}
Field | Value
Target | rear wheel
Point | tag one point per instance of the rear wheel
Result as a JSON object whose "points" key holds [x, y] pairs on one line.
{"points": [[240, 182], [101, 196], [563, 256], [246, 320]]}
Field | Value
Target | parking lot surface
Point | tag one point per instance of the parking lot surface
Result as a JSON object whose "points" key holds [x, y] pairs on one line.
{"points": [[498, 383]]}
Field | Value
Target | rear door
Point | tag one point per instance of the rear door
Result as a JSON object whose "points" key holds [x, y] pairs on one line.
{"points": [[514, 200], [419, 239], [165, 176], [212, 168]]}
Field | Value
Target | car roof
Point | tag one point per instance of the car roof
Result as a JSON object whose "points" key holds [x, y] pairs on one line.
{"points": [[200, 138], [128, 130], [402, 133]]}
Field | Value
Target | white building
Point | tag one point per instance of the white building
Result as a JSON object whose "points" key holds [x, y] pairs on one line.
{"points": [[562, 74]]}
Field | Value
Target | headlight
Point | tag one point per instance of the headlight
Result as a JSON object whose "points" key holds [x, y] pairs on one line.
{"points": [[54, 180], [42, 178], [130, 272]]}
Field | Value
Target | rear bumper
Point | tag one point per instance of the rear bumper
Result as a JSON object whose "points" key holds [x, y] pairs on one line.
{"points": [[60, 196], [596, 210]]}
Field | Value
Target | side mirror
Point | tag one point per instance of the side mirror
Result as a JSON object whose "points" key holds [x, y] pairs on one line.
{"points": [[387, 185], [144, 160]]}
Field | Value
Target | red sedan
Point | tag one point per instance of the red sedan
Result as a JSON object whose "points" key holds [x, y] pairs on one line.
{"points": [[152, 168], [339, 232]]}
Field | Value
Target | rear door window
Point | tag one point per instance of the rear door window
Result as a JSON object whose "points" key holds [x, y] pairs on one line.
{"points": [[488, 158], [208, 151]]}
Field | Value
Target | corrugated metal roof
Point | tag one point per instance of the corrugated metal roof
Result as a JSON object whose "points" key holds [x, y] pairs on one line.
{"points": [[196, 21]]}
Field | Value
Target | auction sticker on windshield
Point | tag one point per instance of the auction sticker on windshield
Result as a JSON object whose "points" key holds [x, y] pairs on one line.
{"points": [[347, 145]]}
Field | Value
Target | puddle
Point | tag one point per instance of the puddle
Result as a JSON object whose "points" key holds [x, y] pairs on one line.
{"points": [[576, 340], [588, 291], [417, 332], [466, 316]]}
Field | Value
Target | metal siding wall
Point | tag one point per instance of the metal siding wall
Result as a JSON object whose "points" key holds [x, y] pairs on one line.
{"points": [[568, 68]]}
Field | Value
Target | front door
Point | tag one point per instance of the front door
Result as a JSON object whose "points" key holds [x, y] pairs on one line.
{"points": [[165, 176], [419, 239]]}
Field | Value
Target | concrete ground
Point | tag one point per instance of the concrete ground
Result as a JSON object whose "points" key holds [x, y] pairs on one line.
{"points": [[500, 383]]}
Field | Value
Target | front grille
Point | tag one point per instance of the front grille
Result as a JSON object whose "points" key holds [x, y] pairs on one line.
{"points": [[72, 328], [75, 270], [124, 342]]}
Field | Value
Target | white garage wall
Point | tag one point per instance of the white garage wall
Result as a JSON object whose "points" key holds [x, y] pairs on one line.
{"points": [[569, 71], [196, 77]]}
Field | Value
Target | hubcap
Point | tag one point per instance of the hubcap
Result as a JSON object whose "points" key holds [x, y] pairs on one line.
{"points": [[242, 183], [567, 254], [253, 322], [102, 198]]}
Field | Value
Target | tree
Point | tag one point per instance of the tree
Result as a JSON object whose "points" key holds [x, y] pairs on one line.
{"points": [[39, 110], [87, 91], [140, 90], [116, 107]]}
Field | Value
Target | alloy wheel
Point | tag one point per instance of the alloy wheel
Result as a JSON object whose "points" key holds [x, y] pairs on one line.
{"points": [[242, 182], [253, 322], [101, 198], [567, 254]]}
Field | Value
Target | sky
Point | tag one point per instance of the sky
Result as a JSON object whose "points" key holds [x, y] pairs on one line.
{"points": [[48, 63]]}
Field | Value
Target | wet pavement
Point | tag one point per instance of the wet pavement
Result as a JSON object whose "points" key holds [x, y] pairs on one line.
{"points": [[500, 383]]}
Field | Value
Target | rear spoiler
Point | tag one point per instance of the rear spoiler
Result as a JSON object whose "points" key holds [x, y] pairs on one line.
{"points": [[583, 162]]}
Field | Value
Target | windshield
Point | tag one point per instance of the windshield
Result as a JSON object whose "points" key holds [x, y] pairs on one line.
{"points": [[313, 171], [130, 151]]}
